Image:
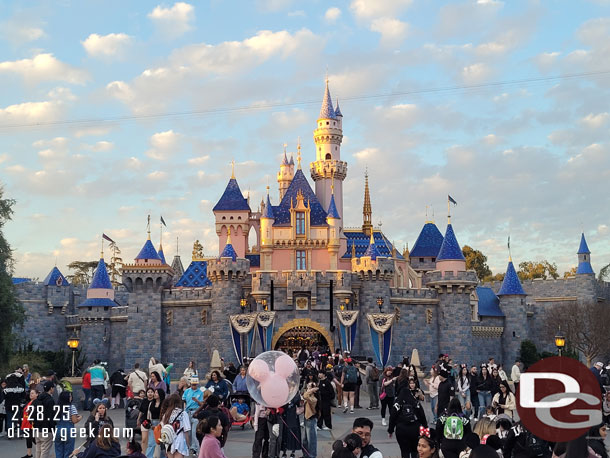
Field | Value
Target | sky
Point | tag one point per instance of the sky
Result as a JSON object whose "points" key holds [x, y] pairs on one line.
{"points": [[110, 111]]}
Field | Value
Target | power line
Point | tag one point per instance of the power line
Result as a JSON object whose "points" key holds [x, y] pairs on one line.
{"points": [[267, 106]]}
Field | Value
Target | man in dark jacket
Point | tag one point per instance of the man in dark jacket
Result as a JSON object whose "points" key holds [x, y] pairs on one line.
{"points": [[44, 423], [327, 394], [14, 399], [445, 393]]}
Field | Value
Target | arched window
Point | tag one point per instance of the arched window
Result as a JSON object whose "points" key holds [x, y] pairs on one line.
{"points": [[328, 156]]}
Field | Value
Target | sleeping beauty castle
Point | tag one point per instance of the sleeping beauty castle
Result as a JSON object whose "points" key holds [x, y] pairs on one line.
{"points": [[309, 280]]}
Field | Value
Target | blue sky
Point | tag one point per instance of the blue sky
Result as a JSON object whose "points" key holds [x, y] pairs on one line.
{"points": [[113, 110]]}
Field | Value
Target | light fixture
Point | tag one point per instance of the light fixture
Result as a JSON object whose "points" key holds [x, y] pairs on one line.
{"points": [[560, 341], [73, 342], [379, 303], [242, 304]]}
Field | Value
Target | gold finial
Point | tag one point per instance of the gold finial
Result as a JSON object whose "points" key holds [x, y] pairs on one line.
{"points": [[197, 251], [229, 236], [353, 250], [326, 78], [285, 146], [332, 182], [101, 255], [372, 240], [299, 153], [267, 189], [233, 169], [148, 227]]}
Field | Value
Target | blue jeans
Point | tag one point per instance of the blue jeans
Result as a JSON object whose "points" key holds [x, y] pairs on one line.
{"points": [[194, 423], [484, 401], [152, 444], [63, 448], [433, 402], [464, 399], [311, 438], [87, 402]]}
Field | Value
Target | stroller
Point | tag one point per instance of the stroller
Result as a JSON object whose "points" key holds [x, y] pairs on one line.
{"points": [[234, 400]]}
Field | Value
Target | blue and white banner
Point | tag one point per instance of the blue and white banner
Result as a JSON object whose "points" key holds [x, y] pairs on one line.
{"points": [[265, 322], [348, 327], [380, 326], [242, 332]]}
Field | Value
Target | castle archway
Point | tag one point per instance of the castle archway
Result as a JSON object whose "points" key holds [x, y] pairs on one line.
{"points": [[301, 331]]}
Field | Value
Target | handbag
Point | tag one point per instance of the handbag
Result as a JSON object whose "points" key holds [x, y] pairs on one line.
{"points": [[157, 433], [383, 394]]}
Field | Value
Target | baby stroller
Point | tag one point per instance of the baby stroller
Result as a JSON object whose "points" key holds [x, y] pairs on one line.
{"points": [[234, 399]]}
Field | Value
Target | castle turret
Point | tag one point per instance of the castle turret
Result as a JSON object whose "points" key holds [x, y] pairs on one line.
{"points": [[334, 233], [450, 256], [285, 175], [233, 212], [328, 165], [367, 209], [267, 219], [512, 303], [100, 292], [228, 251], [511, 285], [426, 248], [584, 258], [161, 254]]}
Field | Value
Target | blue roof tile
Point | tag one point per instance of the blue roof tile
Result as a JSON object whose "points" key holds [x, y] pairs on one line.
{"points": [[148, 251], [327, 111], [282, 211], [511, 285], [17, 280], [583, 248], [361, 242], [195, 276], [255, 260], [55, 278], [428, 243], [228, 252], [489, 303], [161, 255], [100, 277], [98, 302], [332, 208], [268, 212], [584, 268], [450, 248], [232, 198]]}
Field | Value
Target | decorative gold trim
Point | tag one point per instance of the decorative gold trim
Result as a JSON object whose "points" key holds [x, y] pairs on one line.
{"points": [[487, 331], [556, 299], [303, 322]]}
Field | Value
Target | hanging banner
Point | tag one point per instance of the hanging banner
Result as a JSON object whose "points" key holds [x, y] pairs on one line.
{"points": [[380, 326], [265, 321], [242, 332], [348, 325]]}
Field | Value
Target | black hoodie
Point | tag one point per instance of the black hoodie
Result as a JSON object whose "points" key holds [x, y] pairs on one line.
{"points": [[47, 422]]}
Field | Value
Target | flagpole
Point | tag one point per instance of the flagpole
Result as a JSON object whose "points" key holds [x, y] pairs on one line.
{"points": [[102, 247], [448, 210]]}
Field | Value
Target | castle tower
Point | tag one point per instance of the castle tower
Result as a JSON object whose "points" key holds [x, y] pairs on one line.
{"points": [[512, 303], [426, 248], [267, 220], [584, 258], [161, 254], [450, 257], [229, 251], [328, 164], [285, 175], [334, 233], [233, 212], [367, 209]]}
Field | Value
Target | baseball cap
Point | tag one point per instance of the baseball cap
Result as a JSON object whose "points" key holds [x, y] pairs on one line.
{"points": [[47, 385], [599, 364], [194, 380]]}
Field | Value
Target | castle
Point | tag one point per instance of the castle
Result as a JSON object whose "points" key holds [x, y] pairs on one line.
{"points": [[308, 280]]}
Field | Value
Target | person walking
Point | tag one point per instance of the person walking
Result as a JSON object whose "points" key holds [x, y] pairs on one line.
{"points": [[68, 417], [173, 414], [371, 379], [515, 374], [137, 380], [86, 386], [239, 384], [407, 417], [445, 393], [386, 394], [211, 429], [156, 382], [44, 423], [14, 398], [260, 446], [432, 383], [484, 387], [474, 393], [358, 385], [144, 422], [349, 380], [337, 374], [26, 423], [504, 402], [97, 419], [118, 384], [193, 399], [327, 394], [154, 418], [311, 414], [218, 385], [291, 433], [99, 380]]}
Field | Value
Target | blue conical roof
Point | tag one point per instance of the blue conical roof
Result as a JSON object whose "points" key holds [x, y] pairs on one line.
{"points": [[55, 278], [511, 286], [100, 277], [268, 211], [450, 248], [372, 250], [232, 198], [338, 110], [299, 183], [161, 255], [428, 243], [148, 251], [583, 248], [229, 252], [584, 268], [332, 208], [285, 160], [327, 111]]}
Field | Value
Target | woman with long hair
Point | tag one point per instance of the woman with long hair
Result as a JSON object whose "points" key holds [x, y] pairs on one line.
{"points": [[402, 381], [105, 445], [99, 417], [211, 428], [484, 387], [495, 382], [504, 402], [218, 385], [427, 447], [450, 434], [433, 381], [406, 418], [190, 370], [26, 425], [144, 421], [387, 393], [153, 414], [463, 389], [156, 382], [67, 418], [173, 413], [134, 449]]}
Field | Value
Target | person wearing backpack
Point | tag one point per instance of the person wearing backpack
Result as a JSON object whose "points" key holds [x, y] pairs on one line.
{"points": [[349, 379], [521, 443], [406, 418], [338, 373], [175, 426], [453, 425], [371, 377]]}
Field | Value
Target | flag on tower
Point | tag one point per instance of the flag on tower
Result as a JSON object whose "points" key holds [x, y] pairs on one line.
{"points": [[163, 222], [107, 238], [451, 200]]}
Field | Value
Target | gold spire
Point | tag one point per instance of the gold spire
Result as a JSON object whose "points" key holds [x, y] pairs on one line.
{"points": [[148, 227], [229, 236], [367, 211], [299, 153], [353, 250], [332, 182], [233, 169]]}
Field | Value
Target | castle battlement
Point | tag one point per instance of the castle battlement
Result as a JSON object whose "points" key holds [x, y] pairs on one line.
{"points": [[180, 294], [412, 294], [373, 269], [225, 269]]}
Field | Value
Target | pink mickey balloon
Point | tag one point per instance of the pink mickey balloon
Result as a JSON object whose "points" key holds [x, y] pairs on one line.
{"points": [[275, 391], [258, 370], [285, 366]]}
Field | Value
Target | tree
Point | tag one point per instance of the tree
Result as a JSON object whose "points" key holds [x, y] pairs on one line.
{"points": [[528, 353], [529, 270], [477, 261], [584, 325], [604, 273], [569, 273], [83, 272], [11, 311]]}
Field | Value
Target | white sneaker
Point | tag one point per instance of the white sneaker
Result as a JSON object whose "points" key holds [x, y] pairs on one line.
{"points": [[383, 422], [345, 410], [325, 428]]}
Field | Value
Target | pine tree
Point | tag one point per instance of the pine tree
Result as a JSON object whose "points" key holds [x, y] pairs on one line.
{"points": [[11, 311]]}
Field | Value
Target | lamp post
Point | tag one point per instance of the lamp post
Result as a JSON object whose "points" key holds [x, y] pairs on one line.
{"points": [[73, 344], [379, 303], [242, 304], [346, 300], [560, 341], [264, 304]]}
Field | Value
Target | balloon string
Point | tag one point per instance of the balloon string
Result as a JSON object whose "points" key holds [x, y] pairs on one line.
{"points": [[293, 435]]}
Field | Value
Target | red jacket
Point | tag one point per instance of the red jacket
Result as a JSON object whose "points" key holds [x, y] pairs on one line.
{"points": [[87, 381]]}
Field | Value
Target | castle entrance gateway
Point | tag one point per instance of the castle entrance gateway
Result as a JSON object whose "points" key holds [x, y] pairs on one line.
{"points": [[296, 333]]}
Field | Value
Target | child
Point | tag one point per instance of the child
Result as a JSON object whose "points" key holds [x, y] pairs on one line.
{"points": [[239, 409]]}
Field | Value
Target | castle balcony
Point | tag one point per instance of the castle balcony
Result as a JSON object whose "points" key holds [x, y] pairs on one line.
{"points": [[72, 322], [328, 169], [448, 282]]}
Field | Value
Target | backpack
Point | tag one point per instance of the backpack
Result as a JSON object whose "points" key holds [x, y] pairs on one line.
{"points": [[534, 446], [374, 374], [406, 413], [454, 428], [351, 374]]}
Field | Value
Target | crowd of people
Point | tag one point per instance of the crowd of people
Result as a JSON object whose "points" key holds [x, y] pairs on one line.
{"points": [[473, 411]]}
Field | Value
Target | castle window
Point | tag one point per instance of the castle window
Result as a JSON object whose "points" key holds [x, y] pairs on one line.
{"points": [[300, 219], [301, 260], [433, 259], [328, 157], [327, 123], [421, 259]]}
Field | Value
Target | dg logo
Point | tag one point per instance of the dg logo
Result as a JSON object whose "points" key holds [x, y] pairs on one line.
{"points": [[559, 399]]}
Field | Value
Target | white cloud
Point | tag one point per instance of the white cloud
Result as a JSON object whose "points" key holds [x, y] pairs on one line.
{"points": [[392, 30], [332, 14], [106, 46], [29, 112], [595, 121], [370, 9], [44, 67], [157, 175], [199, 160], [163, 145], [546, 60], [133, 163], [476, 73], [272, 6], [91, 132], [367, 155], [175, 21], [120, 90], [100, 146]]}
